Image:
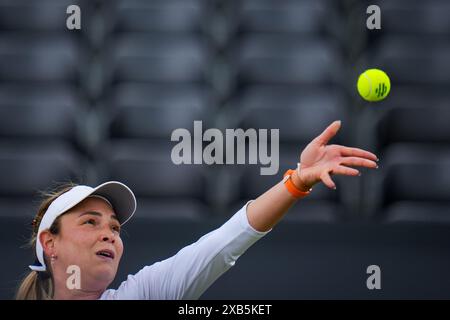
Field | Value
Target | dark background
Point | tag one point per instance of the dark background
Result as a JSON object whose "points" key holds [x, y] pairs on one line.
{"points": [[100, 104]]}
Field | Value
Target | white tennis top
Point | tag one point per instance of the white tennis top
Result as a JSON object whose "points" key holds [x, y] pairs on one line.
{"points": [[191, 271]]}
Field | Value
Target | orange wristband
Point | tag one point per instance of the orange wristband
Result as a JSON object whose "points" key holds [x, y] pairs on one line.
{"points": [[293, 190]]}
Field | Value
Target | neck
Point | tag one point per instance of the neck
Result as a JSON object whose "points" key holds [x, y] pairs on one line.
{"points": [[62, 292]]}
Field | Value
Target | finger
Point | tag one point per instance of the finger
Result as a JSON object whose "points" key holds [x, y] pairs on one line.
{"points": [[326, 179], [328, 133], [358, 162], [346, 171], [356, 152]]}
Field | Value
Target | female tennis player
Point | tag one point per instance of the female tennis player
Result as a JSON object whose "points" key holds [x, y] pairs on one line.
{"points": [[80, 226]]}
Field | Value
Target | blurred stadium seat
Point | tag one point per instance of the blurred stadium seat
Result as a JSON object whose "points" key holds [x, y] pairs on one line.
{"points": [[412, 185], [427, 125], [175, 58], [158, 16], [287, 60], [27, 168], [417, 18], [40, 59], [154, 111], [44, 113], [164, 190], [302, 17]]}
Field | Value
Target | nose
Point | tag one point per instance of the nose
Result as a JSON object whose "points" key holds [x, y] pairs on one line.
{"points": [[108, 237]]}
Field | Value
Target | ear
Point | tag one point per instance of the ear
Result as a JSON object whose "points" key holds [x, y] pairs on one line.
{"points": [[48, 242]]}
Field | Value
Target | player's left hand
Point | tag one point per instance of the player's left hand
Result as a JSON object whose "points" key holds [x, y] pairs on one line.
{"points": [[319, 161]]}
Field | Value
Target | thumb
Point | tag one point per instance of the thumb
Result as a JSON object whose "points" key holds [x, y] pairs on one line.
{"points": [[328, 133]]}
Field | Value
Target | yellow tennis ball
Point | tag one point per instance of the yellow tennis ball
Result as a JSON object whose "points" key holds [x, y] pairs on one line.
{"points": [[374, 85]]}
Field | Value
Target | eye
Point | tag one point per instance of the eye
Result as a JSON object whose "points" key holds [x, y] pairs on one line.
{"points": [[116, 228], [90, 221]]}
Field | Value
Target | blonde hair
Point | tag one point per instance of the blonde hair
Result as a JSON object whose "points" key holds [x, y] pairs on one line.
{"points": [[39, 285]]}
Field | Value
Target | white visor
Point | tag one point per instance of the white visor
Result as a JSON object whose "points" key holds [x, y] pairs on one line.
{"points": [[118, 195]]}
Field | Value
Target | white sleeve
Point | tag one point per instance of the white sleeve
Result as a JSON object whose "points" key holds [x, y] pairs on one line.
{"points": [[191, 271]]}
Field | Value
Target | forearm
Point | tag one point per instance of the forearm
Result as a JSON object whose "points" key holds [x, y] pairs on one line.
{"points": [[270, 207]]}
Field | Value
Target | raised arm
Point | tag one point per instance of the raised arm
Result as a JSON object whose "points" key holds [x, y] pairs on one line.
{"points": [[318, 162], [187, 274]]}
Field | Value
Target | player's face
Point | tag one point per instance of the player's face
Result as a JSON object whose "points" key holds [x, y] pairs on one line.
{"points": [[90, 239]]}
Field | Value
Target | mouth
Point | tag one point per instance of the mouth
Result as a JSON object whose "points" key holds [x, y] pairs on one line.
{"points": [[105, 254]]}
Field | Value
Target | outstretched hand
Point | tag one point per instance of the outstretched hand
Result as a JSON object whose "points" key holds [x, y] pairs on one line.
{"points": [[319, 161]]}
